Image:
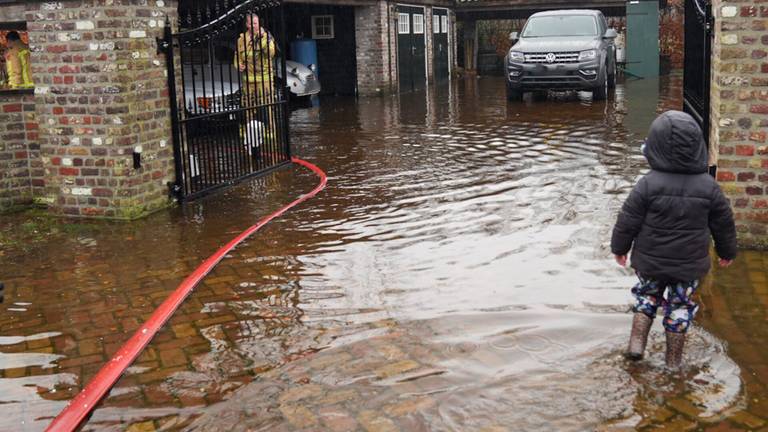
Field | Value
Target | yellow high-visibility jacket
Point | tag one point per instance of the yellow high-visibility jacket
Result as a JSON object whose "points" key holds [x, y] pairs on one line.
{"points": [[18, 68], [254, 56]]}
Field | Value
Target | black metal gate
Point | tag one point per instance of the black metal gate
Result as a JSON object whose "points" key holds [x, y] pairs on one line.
{"points": [[698, 61], [228, 104]]}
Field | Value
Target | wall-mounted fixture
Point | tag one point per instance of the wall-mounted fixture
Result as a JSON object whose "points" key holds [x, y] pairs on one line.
{"points": [[137, 157]]}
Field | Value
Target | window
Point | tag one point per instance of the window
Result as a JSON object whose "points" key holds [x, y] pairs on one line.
{"points": [[435, 24], [403, 23], [418, 24], [444, 20], [322, 27], [15, 67], [561, 25]]}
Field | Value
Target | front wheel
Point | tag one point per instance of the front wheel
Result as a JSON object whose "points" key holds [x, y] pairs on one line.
{"points": [[612, 77], [601, 92]]}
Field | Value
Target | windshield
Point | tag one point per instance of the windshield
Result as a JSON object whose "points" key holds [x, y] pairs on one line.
{"points": [[561, 25]]}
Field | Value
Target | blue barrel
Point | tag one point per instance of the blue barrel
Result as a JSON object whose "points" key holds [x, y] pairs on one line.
{"points": [[305, 52]]}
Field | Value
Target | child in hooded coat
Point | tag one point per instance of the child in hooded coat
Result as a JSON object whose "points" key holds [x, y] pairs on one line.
{"points": [[667, 222]]}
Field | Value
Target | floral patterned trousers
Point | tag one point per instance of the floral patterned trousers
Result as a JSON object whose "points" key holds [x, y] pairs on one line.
{"points": [[679, 309]]}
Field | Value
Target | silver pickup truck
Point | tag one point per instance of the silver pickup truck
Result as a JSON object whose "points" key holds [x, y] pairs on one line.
{"points": [[562, 50]]}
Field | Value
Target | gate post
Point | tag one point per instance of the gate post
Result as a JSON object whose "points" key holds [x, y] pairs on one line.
{"points": [[165, 46]]}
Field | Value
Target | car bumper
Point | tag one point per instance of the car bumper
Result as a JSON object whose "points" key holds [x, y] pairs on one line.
{"points": [[566, 76]]}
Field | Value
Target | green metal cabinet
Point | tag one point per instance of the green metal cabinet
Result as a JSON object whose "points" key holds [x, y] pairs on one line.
{"points": [[643, 38]]}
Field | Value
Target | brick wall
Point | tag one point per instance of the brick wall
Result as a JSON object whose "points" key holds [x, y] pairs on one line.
{"points": [[100, 93], [373, 63], [740, 113], [20, 166]]}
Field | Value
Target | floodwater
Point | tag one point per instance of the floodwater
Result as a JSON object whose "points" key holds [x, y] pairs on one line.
{"points": [[454, 276]]}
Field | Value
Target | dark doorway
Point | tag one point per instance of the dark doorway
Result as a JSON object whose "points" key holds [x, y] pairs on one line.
{"points": [[440, 44], [336, 58], [410, 48]]}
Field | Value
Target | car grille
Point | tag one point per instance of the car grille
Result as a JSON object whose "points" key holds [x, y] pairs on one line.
{"points": [[562, 57]]}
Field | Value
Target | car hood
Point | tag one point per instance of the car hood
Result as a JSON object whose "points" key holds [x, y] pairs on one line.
{"points": [[298, 69], [556, 44], [218, 81]]}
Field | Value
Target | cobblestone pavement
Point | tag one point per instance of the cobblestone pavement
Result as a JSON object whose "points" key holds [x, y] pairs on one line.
{"points": [[454, 276]]}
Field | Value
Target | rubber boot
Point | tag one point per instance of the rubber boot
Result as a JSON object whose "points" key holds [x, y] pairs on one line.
{"points": [[641, 325], [675, 345]]}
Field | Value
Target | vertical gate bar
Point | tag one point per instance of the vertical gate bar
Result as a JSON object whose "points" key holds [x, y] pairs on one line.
{"points": [[267, 84], [263, 109], [167, 45], [214, 119], [285, 94], [232, 111], [249, 87], [193, 142], [255, 109]]}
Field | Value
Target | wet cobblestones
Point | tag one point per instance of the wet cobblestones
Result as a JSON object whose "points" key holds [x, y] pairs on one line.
{"points": [[317, 325]]}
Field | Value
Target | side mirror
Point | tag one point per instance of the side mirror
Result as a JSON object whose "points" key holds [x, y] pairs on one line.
{"points": [[611, 34], [514, 36]]}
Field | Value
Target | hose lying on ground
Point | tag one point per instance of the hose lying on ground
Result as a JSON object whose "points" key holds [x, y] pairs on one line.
{"points": [[79, 407]]}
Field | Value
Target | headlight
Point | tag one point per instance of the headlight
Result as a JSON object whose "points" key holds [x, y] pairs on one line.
{"points": [[313, 68], [587, 55], [516, 56]]}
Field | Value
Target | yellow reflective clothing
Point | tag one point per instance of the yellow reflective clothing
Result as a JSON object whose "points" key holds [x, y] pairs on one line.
{"points": [[19, 69], [255, 61], [254, 56]]}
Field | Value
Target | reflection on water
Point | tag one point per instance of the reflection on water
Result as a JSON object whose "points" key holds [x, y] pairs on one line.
{"points": [[455, 275]]}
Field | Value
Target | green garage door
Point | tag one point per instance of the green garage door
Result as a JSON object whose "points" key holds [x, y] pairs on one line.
{"points": [[643, 38], [410, 48]]}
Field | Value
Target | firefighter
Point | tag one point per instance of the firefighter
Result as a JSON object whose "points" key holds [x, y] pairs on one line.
{"points": [[256, 51], [19, 73]]}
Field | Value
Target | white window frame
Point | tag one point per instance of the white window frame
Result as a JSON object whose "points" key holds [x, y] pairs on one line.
{"points": [[444, 23], [435, 24], [403, 23], [315, 27], [418, 23]]}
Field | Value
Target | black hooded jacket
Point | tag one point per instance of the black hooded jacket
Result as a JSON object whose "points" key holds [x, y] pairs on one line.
{"points": [[669, 216]]}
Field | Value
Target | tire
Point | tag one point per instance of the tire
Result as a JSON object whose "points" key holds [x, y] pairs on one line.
{"points": [[612, 76], [540, 95], [600, 93], [514, 95]]}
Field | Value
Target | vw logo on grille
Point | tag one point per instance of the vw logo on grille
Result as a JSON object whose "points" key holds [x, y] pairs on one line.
{"points": [[550, 58]]}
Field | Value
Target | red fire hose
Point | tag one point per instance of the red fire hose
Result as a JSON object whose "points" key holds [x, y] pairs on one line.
{"points": [[79, 407]]}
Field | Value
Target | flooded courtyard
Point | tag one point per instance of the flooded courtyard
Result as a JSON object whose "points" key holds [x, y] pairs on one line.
{"points": [[454, 276]]}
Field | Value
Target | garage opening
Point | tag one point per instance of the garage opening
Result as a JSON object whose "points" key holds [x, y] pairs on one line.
{"points": [[323, 36]]}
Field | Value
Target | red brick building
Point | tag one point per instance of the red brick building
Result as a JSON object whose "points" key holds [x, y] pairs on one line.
{"points": [[100, 95]]}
